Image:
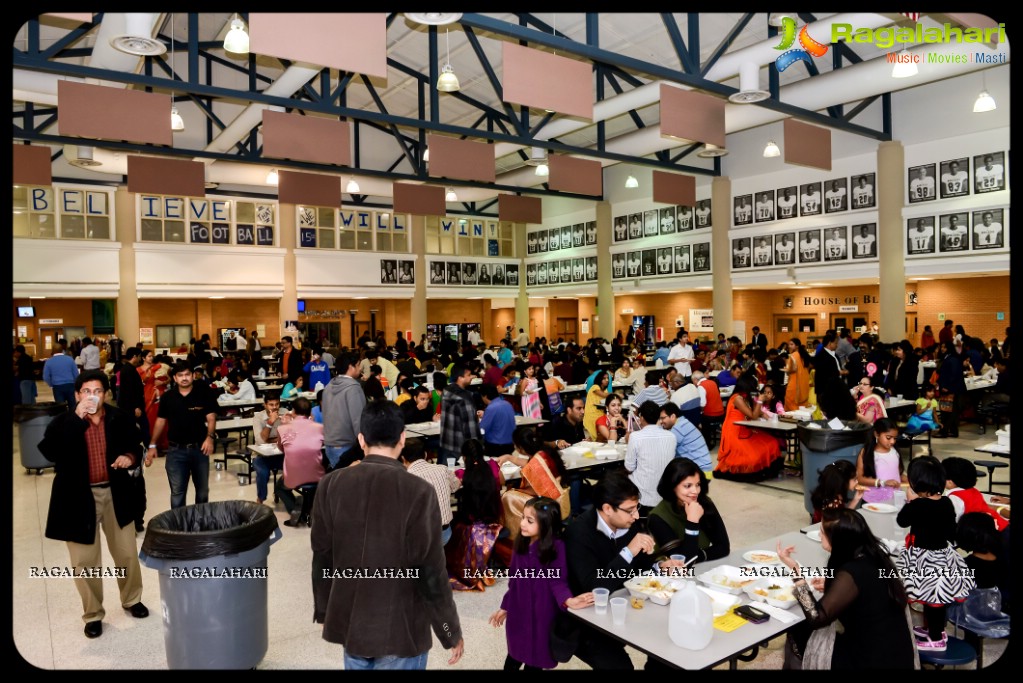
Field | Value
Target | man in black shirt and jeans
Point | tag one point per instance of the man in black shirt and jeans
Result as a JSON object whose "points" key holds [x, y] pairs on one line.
{"points": [[189, 412]]}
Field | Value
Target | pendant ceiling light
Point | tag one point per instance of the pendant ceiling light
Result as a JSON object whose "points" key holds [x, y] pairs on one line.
{"points": [[631, 182], [271, 177], [352, 187], [237, 40], [904, 69], [771, 150], [984, 100], [447, 81], [177, 123], [450, 196]]}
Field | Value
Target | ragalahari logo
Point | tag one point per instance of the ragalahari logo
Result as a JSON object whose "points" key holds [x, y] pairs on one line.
{"points": [[807, 46]]}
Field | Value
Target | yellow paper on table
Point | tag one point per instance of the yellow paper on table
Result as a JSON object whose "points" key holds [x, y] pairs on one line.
{"points": [[728, 622]]}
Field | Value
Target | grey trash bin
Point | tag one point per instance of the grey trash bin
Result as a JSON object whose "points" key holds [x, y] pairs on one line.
{"points": [[32, 422], [212, 561], [821, 447]]}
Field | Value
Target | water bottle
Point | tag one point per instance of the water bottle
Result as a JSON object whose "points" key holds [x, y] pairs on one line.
{"points": [[691, 617], [319, 385]]}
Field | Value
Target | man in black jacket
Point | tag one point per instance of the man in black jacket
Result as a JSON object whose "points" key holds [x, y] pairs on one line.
{"points": [[94, 447], [131, 399], [832, 394]]}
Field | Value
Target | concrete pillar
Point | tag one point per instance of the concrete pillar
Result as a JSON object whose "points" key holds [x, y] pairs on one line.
{"points": [[288, 309], [418, 313], [605, 294], [522, 297], [720, 251], [127, 307], [891, 178]]}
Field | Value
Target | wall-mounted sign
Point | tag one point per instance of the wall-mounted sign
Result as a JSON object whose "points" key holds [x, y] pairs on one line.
{"points": [[626, 311], [998, 316], [701, 319], [941, 316], [146, 335], [848, 309], [51, 321]]}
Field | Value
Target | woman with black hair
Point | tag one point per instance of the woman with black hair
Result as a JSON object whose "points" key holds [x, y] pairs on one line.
{"points": [[686, 521], [951, 389], [863, 591], [476, 524], [902, 371], [746, 454]]}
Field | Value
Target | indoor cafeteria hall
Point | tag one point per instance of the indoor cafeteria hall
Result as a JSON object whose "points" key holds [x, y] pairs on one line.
{"points": [[703, 317]]}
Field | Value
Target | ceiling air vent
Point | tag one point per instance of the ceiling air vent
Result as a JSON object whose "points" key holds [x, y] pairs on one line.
{"points": [[81, 156]]}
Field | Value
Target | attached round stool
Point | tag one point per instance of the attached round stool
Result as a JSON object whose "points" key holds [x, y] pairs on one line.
{"points": [[957, 653], [991, 466]]}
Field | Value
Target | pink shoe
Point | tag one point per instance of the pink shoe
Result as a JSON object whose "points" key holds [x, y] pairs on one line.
{"points": [[928, 645], [920, 632]]}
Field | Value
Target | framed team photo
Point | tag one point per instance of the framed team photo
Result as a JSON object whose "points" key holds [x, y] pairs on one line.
{"points": [[554, 244], [703, 217], [530, 274], [742, 255], [785, 249], [591, 268], [406, 272], [836, 195], [742, 210], [635, 226], [553, 272], [954, 232], [634, 264], [388, 272], [667, 218], [566, 236], [764, 206], [836, 243], [591, 232], [763, 253], [920, 235], [989, 172], [864, 240], [578, 270], [922, 184], [683, 262], [650, 223], [810, 246], [684, 218], [566, 271], [531, 243], [620, 230], [649, 261], [541, 273], [541, 242], [701, 257], [511, 273], [454, 273], [863, 196], [787, 202], [468, 273], [988, 232], [618, 266], [664, 261], [955, 178], [810, 199], [437, 273]]}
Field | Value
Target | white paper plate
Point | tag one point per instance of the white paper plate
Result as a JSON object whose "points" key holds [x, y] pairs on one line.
{"points": [[882, 508], [814, 535], [761, 557]]}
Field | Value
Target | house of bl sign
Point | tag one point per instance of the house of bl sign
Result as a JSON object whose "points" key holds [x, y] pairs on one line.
{"points": [[838, 300]]}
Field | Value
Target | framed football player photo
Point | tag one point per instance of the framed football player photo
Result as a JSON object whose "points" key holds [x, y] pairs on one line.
{"points": [[684, 219], [810, 246], [554, 244], [635, 226], [618, 266], [701, 257], [667, 218], [863, 191], [553, 273], [785, 249], [620, 232], [764, 206], [591, 232], [743, 210], [836, 243], [634, 264], [742, 255], [954, 232], [541, 273], [591, 268], [920, 235], [530, 274], [531, 242], [922, 184], [578, 270], [810, 199], [682, 259], [664, 261], [541, 241], [763, 254], [787, 202], [511, 274], [578, 235], [566, 271], [649, 261], [955, 178], [566, 236], [989, 172], [864, 240], [836, 195], [987, 229], [703, 217], [650, 223]]}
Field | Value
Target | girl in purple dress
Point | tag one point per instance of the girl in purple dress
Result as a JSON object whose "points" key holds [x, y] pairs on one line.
{"points": [[537, 589]]}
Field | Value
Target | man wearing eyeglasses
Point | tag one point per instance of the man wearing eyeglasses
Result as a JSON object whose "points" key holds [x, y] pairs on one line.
{"points": [[604, 550]]}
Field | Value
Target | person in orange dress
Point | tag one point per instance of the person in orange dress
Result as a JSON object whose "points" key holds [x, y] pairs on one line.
{"points": [[797, 393], [155, 378], [746, 454]]}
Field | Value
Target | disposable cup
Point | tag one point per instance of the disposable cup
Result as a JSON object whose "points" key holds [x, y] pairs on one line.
{"points": [[618, 609], [600, 598]]}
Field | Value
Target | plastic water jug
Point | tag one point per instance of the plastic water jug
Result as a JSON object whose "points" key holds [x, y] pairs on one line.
{"points": [[690, 617], [319, 385], [262, 373]]}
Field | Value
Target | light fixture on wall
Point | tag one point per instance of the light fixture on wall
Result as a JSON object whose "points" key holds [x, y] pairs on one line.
{"points": [[272, 177], [631, 182], [352, 187], [984, 100], [177, 123], [710, 151], [904, 69], [447, 81], [450, 196], [771, 149], [237, 40]]}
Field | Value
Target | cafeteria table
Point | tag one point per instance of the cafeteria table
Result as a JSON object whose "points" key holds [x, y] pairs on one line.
{"points": [[241, 425], [433, 428], [785, 429]]}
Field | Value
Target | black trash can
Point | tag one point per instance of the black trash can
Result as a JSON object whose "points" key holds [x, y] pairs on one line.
{"points": [[32, 422], [213, 591], [821, 447]]}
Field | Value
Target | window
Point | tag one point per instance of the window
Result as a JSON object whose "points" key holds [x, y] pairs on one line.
{"points": [[469, 236], [61, 212], [205, 220], [172, 336], [807, 324], [316, 227], [324, 227]]}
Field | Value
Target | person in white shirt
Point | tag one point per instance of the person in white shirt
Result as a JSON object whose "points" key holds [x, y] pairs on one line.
{"points": [[474, 337], [648, 453], [741, 253], [620, 229], [953, 182], [566, 271], [743, 211], [834, 246], [531, 243], [577, 269], [555, 239], [920, 237], [241, 344], [988, 233], [701, 259], [786, 203], [634, 263], [522, 339], [681, 355], [635, 226], [591, 232], [650, 223], [864, 243], [703, 213], [835, 197], [784, 249], [663, 261], [863, 194], [542, 242], [530, 275], [762, 253], [682, 259], [591, 268], [667, 221], [922, 186], [239, 389], [618, 265], [765, 207], [953, 235], [578, 237], [89, 355], [684, 218], [809, 247], [990, 176], [811, 200]]}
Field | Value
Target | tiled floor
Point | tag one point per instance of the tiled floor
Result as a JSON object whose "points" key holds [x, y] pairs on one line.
{"points": [[47, 612]]}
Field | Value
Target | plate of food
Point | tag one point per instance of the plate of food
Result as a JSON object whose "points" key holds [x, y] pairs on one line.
{"points": [[761, 557], [814, 535], [657, 589], [882, 508], [1003, 511], [726, 578], [775, 591]]}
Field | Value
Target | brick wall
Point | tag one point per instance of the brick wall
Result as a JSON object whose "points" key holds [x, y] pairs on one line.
{"points": [[973, 303]]}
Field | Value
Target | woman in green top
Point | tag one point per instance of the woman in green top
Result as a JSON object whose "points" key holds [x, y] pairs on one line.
{"points": [[686, 518]]}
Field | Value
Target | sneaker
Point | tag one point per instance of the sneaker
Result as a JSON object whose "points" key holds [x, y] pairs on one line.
{"points": [[920, 632], [928, 645]]}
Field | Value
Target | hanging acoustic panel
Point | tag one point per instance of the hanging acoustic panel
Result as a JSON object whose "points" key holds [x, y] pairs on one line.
{"points": [[31, 165], [690, 115], [157, 175], [807, 145], [512, 207], [581, 176], [546, 81], [462, 159], [294, 187], [421, 200], [344, 41], [673, 188], [306, 138], [101, 112]]}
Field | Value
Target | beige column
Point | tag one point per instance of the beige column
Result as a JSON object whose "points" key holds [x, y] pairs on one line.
{"points": [[522, 297], [288, 309], [127, 326], [891, 179], [418, 314], [720, 250], [605, 294]]}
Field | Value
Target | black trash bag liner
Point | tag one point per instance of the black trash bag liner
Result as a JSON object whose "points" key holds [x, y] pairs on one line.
{"points": [[825, 440], [24, 413], [195, 532]]}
